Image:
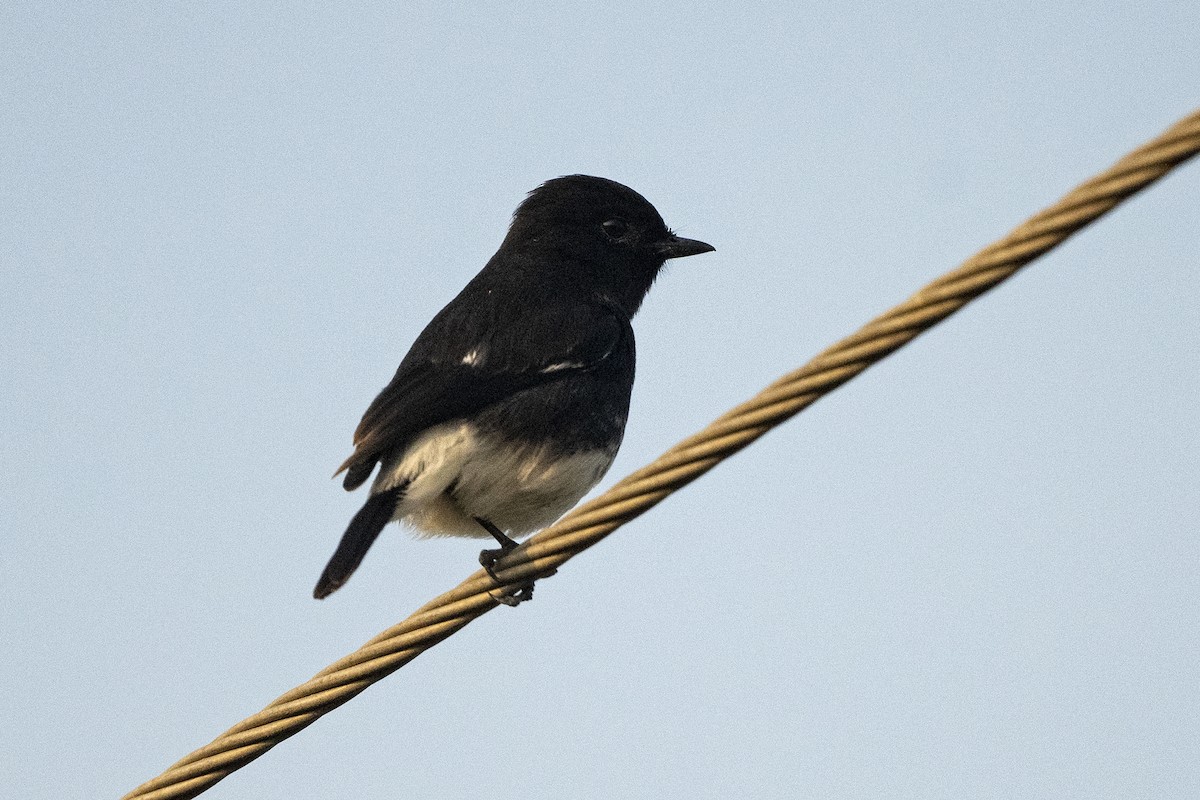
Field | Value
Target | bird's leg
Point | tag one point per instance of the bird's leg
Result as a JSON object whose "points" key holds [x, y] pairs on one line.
{"points": [[488, 559]]}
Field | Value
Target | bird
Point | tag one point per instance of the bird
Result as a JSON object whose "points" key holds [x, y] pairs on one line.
{"points": [[512, 402]]}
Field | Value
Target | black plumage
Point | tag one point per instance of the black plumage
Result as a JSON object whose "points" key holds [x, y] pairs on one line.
{"points": [[512, 401]]}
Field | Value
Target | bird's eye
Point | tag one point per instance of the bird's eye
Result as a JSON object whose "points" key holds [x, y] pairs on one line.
{"points": [[615, 228]]}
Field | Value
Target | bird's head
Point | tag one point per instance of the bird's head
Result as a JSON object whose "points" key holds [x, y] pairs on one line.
{"points": [[598, 234]]}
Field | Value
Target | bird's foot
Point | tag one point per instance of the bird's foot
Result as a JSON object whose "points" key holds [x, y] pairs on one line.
{"points": [[488, 559], [514, 598]]}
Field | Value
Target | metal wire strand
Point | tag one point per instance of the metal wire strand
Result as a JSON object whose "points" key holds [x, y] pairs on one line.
{"points": [[683, 463]]}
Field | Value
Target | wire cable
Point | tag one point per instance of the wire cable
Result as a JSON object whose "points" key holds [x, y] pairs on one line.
{"points": [[682, 464]]}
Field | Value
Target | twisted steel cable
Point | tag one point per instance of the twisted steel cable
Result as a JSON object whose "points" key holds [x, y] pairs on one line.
{"points": [[683, 463]]}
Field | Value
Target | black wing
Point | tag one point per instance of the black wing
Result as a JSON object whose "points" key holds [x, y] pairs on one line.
{"points": [[474, 354]]}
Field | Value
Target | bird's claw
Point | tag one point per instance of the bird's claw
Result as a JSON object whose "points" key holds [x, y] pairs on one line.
{"points": [[488, 559], [512, 599]]}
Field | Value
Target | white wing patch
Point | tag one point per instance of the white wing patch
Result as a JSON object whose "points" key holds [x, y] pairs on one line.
{"points": [[563, 365], [474, 358]]}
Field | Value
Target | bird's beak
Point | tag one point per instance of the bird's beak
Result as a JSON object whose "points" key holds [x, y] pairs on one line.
{"points": [[678, 247]]}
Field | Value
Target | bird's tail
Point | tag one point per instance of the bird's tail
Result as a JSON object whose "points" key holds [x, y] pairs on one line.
{"points": [[358, 538]]}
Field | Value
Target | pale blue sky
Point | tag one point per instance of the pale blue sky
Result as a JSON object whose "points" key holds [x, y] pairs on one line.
{"points": [[971, 573]]}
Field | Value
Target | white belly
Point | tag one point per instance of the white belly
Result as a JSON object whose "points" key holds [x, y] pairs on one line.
{"points": [[454, 475]]}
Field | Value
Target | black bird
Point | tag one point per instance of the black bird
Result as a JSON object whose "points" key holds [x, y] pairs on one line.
{"points": [[512, 402]]}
